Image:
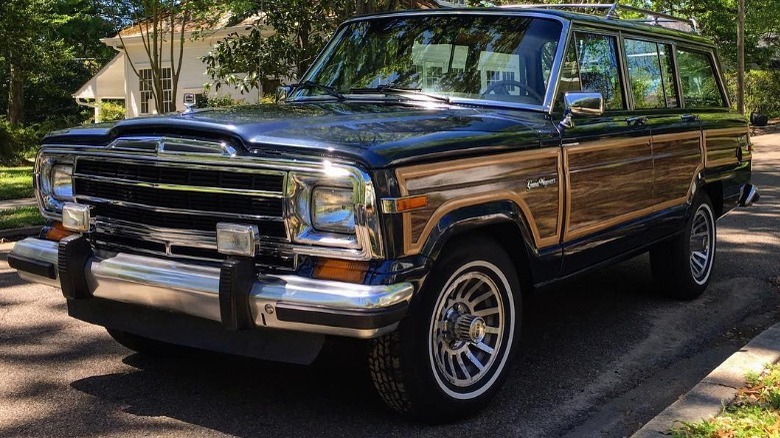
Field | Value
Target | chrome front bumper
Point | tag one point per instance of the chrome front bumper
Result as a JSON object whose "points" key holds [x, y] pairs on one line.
{"points": [[282, 302]]}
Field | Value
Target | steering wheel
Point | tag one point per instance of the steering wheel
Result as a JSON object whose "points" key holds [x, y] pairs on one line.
{"points": [[504, 85]]}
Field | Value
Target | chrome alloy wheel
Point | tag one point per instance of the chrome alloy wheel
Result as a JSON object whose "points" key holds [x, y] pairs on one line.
{"points": [[702, 244], [468, 331]]}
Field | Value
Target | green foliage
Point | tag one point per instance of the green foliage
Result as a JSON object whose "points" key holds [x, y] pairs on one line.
{"points": [[111, 111], [16, 142], [20, 217], [285, 41], [761, 90], [755, 412], [217, 101], [16, 182], [53, 47]]}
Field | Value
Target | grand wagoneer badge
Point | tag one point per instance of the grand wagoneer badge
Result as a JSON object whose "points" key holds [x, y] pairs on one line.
{"points": [[541, 182]]}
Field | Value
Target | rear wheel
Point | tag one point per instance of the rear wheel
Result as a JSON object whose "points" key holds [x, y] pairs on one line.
{"points": [[683, 266], [452, 352]]}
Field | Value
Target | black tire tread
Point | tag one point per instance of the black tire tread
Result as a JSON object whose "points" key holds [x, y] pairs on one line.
{"points": [[402, 385], [669, 263], [384, 363]]}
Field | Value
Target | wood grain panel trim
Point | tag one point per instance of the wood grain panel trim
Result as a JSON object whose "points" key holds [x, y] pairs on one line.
{"points": [[721, 132], [515, 195], [568, 233]]}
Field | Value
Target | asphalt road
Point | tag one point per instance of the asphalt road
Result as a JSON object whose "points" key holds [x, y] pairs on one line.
{"points": [[601, 357]]}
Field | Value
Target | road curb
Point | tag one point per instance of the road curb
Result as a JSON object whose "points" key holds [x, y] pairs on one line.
{"points": [[20, 232], [708, 398]]}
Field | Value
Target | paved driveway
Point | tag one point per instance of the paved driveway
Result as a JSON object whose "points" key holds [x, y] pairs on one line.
{"points": [[602, 356]]}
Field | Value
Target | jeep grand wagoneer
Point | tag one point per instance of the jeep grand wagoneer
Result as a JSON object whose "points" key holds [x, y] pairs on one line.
{"points": [[429, 172]]}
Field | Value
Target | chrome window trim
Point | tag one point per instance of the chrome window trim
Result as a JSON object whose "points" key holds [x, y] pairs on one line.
{"points": [[555, 72]]}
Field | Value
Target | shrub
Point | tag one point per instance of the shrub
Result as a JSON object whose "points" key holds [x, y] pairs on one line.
{"points": [[761, 90], [16, 142], [111, 111], [217, 101]]}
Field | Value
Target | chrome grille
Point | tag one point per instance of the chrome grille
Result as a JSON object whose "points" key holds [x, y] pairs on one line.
{"points": [[173, 208]]}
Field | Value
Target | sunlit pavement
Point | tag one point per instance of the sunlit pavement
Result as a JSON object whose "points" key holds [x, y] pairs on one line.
{"points": [[600, 357]]}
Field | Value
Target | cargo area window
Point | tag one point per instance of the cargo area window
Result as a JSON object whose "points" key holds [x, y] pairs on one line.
{"points": [[651, 74], [699, 83]]}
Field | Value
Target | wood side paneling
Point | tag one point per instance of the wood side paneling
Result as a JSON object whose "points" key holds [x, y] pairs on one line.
{"points": [[722, 144], [460, 183], [609, 182], [678, 158]]}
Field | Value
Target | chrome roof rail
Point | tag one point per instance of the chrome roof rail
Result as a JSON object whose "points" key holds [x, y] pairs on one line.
{"points": [[611, 11]]}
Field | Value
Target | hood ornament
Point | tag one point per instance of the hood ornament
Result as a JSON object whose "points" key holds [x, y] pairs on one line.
{"points": [[189, 103]]}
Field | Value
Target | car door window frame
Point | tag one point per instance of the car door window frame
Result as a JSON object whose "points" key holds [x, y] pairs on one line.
{"points": [[675, 72], [619, 56]]}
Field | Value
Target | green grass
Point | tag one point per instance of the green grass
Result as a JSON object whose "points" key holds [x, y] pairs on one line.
{"points": [[20, 217], [754, 413], [15, 182]]}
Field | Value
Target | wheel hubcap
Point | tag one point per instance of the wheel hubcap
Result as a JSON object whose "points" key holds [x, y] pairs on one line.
{"points": [[701, 245], [467, 334]]}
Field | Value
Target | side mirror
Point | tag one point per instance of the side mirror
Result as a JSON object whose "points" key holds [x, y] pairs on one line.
{"points": [[581, 103], [584, 103], [282, 92]]}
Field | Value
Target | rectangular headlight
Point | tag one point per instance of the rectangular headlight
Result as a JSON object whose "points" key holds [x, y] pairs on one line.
{"points": [[333, 209], [62, 182], [237, 239]]}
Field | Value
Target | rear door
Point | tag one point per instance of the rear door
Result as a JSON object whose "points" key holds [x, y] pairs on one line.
{"points": [[607, 159], [676, 133]]}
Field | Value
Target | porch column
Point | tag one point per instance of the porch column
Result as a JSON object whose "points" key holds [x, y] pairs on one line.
{"points": [[98, 113]]}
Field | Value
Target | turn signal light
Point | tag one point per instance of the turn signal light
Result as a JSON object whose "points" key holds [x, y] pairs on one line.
{"points": [[341, 270], [57, 232]]}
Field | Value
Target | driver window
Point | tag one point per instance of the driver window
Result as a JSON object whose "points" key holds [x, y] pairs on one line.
{"points": [[598, 67]]}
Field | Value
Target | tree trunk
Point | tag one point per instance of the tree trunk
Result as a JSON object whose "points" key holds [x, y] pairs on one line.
{"points": [[16, 97], [741, 56]]}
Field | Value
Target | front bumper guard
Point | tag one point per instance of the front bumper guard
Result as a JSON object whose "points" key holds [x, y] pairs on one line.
{"points": [[282, 302]]}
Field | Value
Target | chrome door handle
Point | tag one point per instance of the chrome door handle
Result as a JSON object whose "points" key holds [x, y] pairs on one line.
{"points": [[689, 118], [637, 121]]}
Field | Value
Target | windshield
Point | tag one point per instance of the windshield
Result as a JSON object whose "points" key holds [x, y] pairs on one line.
{"points": [[497, 58]]}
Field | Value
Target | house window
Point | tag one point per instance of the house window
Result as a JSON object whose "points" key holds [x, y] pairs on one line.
{"points": [[145, 84]]}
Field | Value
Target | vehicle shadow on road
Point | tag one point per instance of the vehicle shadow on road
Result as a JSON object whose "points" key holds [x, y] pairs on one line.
{"points": [[246, 397]]}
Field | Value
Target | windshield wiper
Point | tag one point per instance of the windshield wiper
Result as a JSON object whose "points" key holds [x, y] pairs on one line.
{"points": [[308, 85], [392, 89]]}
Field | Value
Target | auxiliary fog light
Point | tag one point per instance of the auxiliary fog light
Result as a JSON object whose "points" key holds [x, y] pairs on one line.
{"points": [[237, 239], [75, 217]]}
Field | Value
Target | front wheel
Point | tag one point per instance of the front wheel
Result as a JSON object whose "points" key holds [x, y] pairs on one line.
{"points": [[452, 352], [683, 266]]}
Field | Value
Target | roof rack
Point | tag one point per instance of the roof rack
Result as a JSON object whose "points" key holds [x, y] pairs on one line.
{"points": [[613, 13]]}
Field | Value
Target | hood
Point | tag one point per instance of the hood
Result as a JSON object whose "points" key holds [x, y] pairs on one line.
{"points": [[378, 134]]}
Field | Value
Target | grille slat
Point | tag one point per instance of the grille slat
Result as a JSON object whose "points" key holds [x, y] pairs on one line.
{"points": [[207, 202], [162, 174], [176, 198]]}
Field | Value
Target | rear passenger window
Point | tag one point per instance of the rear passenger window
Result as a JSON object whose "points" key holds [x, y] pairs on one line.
{"points": [[598, 65], [699, 83], [651, 74]]}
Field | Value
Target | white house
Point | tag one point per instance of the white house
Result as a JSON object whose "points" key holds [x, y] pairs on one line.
{"points": [[117, 81]]}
